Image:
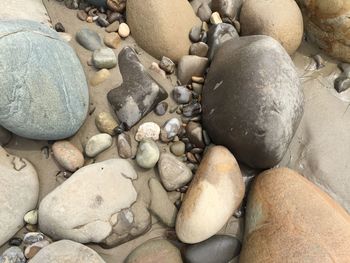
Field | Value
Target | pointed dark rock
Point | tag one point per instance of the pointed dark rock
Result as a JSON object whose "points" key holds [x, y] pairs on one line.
{"points": [[138, 94]]}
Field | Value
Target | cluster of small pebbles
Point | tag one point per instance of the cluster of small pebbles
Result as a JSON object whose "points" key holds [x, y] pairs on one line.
{"points": [[177, 143]]}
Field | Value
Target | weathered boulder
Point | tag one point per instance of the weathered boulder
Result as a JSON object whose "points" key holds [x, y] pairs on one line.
{"points": [[254, 108], [288, 217]]}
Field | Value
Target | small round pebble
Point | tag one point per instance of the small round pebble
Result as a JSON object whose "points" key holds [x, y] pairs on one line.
{"points": [[33, 249], [112, 40], [148, 130], [178, 148], [104, 58], [167, 65], [147, 154], [161, 108], [31, 217], [82, 15], [97, 144], [67, 155], [106, 123], [170, 129], [124, 146], [124, 30]]}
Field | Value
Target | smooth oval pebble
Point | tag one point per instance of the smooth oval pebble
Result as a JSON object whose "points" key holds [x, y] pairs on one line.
{"points": [[33, 237], [106, 123], [148, 130], [104, 58], [161, 108], [170, 129], [218, 249], [67, 155], [112, 40], [97, 144], [124, 30], [155, 251], [31, 217], [178, 148], [33, 249], [182, 95], [124, 146], [147, 154]]}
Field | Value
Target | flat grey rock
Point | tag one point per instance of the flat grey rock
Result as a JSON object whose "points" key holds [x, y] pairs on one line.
{"points": [[138, 94], [44, 94]]}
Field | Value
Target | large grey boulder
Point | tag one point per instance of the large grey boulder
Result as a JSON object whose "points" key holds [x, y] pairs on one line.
{"points": [[252, 100], [19, 190], [44, 93]]}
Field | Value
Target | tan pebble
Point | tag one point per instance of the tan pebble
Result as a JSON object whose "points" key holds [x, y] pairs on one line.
{"points": [[99, 77], [124, 30], [215, 18], [89, 19], [106, 123], [112, 40], [67, 155], [198, 79], [155, 67]]}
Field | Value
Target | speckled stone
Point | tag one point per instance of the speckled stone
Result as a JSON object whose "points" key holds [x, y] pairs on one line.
{"points": [[45, 97]]}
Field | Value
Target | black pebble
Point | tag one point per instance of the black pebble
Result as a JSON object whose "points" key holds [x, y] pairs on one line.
{"points": [[59, 27], [15, 241]]}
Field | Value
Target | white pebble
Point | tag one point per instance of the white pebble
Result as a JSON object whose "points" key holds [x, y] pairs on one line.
{"points": [[148, 130], [97, 144], [31, 217], [124, 30]]}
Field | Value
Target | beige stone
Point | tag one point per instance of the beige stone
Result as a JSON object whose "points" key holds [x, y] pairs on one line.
{"points": [[67, 155], [290, 220], [280, 19], [124, 30], [162, 26], [112, 40], [327, 23], [214, 194], [106, 123]]}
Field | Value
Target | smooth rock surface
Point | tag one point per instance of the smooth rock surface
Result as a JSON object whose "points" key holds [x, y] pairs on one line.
{"points": [[147, 154], [43, 86], [199, 49], [124, 146], [160, 205], [124, 30], [65, 251], [138, 94], [89, 39], [218, 249], [104, 58], [280, 19], [191, 66], [182, 95], [173, 173], [90, 199], [19, 193], [112, 40], [97, 144], [162, 26], [254, 115], [316, 231], [214, 194], [155, 251], [67, 155]]}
